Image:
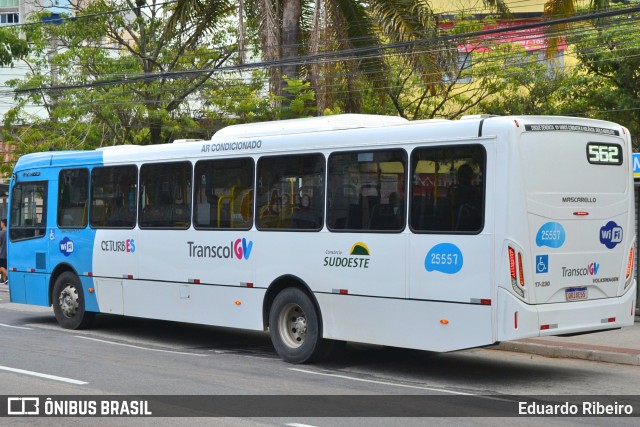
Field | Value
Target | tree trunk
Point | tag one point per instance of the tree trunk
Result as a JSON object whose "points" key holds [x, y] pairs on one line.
{"points": [[292, 10]]}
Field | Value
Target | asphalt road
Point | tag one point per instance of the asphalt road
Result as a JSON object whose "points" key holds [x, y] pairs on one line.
{"points": [[138, 357]]}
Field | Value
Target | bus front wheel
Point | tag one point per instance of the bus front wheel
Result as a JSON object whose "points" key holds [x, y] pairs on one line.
{"points": [[294, 326], [68, 303]]}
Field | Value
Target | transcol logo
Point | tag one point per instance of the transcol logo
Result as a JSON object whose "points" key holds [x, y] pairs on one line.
{"points": [[240, 249], [590, 270]]}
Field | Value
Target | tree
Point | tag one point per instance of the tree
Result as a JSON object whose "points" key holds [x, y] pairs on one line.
{"points": [[339, 46], [529, 85], [107, 77], [363, 28], [606, 84], [356, 30], [12, 47]]}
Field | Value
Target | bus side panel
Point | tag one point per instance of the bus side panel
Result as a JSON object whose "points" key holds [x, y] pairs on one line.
{"points": [[36, 286], [421, 325], [451, 267], [73, 247], [90, 298], [109, 295], [356, 263], [27, 264], [210, 257], [29, 288], [231, 306]]}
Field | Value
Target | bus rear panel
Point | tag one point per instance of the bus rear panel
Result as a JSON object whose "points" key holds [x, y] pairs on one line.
{"points": [[570, 262]]}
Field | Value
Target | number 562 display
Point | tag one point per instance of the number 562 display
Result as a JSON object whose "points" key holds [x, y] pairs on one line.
{"points": [[599, 153]]}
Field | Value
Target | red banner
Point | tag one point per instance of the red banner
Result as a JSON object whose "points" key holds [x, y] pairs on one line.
{"points": [[530, 38]]}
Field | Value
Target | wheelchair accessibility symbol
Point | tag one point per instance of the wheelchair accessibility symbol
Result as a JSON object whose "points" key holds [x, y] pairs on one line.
{"points": [[542, 264]]}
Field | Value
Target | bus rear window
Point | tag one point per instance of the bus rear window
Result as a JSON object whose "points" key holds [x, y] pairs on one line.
{"points": [[568, 163]]}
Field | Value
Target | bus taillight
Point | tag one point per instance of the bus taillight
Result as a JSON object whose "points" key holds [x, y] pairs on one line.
{"points": [[514, 271], [630, 262], [520, 269], [512, 263]]}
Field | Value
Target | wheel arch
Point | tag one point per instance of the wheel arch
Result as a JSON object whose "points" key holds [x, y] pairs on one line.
{"points": [[284, 282], [60, 268]]}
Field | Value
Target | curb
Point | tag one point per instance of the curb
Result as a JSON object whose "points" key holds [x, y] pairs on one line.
{"points": [[572, 351]]}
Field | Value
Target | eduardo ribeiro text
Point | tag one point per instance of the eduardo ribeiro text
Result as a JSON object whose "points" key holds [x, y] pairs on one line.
{"points": [[583, 409]]}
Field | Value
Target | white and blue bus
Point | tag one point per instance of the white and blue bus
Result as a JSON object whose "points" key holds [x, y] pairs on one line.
{"points": [[436, 235]]}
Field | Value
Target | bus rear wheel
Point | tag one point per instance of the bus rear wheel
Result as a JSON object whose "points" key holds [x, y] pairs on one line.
{"points": [[295, 329], [68, 303]]}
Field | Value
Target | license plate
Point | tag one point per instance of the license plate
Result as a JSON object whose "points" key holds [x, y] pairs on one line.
{"points": [[576, 294]]}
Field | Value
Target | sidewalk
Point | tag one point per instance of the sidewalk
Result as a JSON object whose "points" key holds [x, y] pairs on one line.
{"points": [[616, 346]]}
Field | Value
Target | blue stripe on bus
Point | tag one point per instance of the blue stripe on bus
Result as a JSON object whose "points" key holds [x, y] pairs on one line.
{"points": [[35, 262]]}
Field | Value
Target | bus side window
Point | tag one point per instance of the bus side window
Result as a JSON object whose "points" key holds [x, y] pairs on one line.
{"points": [[447, 190], [367, 190], [73, 190], [291, 192], [223, 194], [113, 197], [165, 195]]}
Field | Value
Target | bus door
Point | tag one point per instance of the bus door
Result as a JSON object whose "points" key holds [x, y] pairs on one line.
{"points": [[450, 250], [27, 240]]}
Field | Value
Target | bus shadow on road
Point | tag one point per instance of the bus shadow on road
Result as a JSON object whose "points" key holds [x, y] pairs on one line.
{"points": [[487, 367], [484, 367]]}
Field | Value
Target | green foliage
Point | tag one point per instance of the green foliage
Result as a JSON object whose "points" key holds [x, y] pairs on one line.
{"points": [[239, 100], [101, 86], [528, 86], [12, 47], [300, 97], [607, 82], [469, 83]]}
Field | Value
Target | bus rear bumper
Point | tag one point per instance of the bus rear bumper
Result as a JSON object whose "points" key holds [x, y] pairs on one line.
{"points": [[519, 320]]}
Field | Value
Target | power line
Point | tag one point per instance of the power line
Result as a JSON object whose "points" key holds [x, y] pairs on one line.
{"points": [[427, 51], [572, 31], [90, 15], [345, 54]]}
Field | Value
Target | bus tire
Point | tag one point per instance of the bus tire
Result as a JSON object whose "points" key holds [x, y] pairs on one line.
{"points": [[294, 326], [68, 303]]}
